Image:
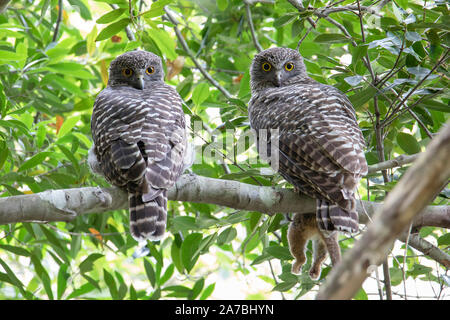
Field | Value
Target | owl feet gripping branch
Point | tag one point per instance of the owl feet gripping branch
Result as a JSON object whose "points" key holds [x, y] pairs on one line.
{"points": [[139, 134], [320, 144]]}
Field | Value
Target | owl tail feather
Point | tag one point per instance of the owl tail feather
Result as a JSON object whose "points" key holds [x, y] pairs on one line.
{"points": [[331, 217], [147, 219]]}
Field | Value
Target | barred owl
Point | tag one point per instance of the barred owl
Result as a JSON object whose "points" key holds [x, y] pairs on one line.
{"points": [[139, 134], [320, 144]]}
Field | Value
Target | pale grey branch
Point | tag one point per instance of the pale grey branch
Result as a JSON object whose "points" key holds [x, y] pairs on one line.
{"points": [[67, 204]]}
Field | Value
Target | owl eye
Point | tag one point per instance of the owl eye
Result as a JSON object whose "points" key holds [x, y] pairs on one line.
{"points": [[266, 66], [289, 66], [150, 70], [127, 72]]}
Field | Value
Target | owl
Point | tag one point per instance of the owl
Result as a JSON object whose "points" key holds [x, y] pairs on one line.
{"points": [[139, 133], [320, 146]]}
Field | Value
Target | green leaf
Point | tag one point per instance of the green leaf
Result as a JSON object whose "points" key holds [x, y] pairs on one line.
{"points": [[434, 105], [197, 288], [419, 269], [181, 223], [85, 288], [83, 9], [133, 294], [188, 248], [122, 292], [111, 283], [244, 88], [40, 136], [207, 292], [164, 42], [175, 253], [112, 29], [331, 38], [71, 157], [87, 264], [150, 272], [357, 53], [396, 276], [285, 19], [43, 275], [16, 250], [226, 236], [413, 36], [361, 295], [90, 41], [178, 291], [361, 97], [6, 55], [284, 286], [200, 94], [167, 274], [222, 4], [354, 80], [111, 16], [70, 68], [156, 9], [408, 143], [156, 254], [261, 259], [34, 160], [68, 125], [444, 240], [279, 252], [11, 276], [92, 281], [61, 282]]}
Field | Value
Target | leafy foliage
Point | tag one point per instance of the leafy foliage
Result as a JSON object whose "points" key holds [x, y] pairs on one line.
{"points": [[54, 60]]}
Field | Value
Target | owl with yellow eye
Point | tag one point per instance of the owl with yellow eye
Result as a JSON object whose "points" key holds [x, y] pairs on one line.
{"points": [[321, 147], [139, 134]]}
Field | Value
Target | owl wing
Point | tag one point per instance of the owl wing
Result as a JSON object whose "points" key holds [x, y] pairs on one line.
{"points": [[139, 140], [320, 144], [165, 148]]}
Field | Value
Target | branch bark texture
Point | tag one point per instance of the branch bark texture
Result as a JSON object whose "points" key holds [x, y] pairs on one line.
{"points": [[67, 204], [418, 187]]}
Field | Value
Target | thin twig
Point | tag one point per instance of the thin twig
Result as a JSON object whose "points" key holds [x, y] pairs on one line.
{"points": [[427, 248], [368, 64], [401, 103], [299, 6], [421, 124], [130, 34], [404, 258], [186, 48], [58, 20], [252, 28], [396, 162]]}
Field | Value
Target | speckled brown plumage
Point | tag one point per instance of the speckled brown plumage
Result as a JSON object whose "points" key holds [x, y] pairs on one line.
{"points": [[320, 143], [138, 128]]}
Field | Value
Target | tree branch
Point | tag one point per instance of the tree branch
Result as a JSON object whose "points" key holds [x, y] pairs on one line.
{"points": [[67, 204], [3, 5], [427, 248], [58, 21], [186, 48], [252, 28], [396, 162], [413, 192], [130, 34]]}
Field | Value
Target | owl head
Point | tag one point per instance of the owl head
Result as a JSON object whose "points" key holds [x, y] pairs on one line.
{"points": [[276, 67], [135, 69]]}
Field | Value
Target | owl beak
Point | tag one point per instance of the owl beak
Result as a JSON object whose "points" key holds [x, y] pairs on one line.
{"points": [[140, 82], [277, 80]]}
